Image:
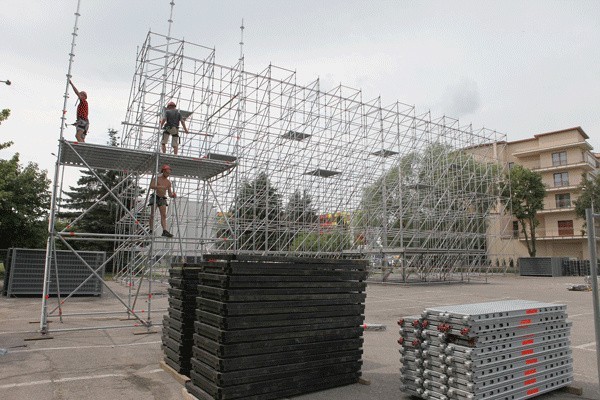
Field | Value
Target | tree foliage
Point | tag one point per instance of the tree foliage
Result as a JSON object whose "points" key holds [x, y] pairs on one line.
{"points": [[422, 197], [590, 195], [256, 211], [101, 215], [24, 202], [525, 192], [4, 114]]}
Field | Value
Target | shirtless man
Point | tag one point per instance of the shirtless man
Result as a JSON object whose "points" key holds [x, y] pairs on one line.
{"points": [[82, 124], [161, 186]]}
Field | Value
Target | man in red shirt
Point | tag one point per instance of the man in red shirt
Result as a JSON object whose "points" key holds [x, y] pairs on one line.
{"points": [[82, 124]]}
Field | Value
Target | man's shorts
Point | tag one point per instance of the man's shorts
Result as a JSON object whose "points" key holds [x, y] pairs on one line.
{"points": [[160, 201], [174, 133], [82, 125]]}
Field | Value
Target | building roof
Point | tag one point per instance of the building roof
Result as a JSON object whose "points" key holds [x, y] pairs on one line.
{"points": [[535, 137]]}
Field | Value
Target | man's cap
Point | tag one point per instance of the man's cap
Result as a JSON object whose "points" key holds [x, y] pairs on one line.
{"points": [[171, 104], [165, 167]]}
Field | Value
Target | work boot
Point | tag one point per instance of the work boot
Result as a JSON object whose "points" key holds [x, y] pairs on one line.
{"points": [[167, 234]]}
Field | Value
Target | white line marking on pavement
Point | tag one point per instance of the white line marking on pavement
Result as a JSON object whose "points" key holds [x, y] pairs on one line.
{"points": [[583, 346], [579, 315], [71, 379], [84, 347]]}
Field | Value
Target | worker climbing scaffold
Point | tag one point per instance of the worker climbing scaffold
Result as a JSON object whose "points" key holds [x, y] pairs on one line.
{"points": [[161, 186], [82, 124]]}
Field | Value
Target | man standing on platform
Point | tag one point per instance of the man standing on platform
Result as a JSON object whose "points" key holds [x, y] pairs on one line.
{"points": [[170, 125], [161, 186], [82, 124]]}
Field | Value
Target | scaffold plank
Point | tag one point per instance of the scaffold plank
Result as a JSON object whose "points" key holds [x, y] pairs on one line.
{"points": [[144, 162]]}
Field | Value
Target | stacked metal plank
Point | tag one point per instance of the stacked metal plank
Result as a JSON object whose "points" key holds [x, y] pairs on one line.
{"points": [[178, 325], [513, 349], [269, 328], [411, 354], [25, 273]]}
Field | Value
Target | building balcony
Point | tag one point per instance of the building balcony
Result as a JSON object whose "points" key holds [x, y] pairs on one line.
{"points": [[554, 235], [583, 165], [532, 152], [565, 188], [557, 210]]}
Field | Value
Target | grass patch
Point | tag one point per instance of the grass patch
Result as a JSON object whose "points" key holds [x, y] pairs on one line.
{"points": [[1, 270]]}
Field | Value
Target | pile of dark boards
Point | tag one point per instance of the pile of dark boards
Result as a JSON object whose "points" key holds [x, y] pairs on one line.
{"points": [[178, 325], [269, 328]]}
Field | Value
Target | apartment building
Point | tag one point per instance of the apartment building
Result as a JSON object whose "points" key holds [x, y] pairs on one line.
{"points": [[562, 158]]}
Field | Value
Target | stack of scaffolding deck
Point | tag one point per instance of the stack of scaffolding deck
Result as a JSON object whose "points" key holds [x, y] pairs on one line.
{"points": [[512, 349], [411, 354], [271, 327], [178, 325]]}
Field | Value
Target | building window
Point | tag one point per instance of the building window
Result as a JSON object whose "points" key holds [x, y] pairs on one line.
{"points": [[561, 179], [511, 165], [565, 228], [515, 229], [563, 200], [559, 158]]}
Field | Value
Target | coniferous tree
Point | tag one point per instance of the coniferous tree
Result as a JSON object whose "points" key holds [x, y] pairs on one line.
{"points": [[101, 215]]}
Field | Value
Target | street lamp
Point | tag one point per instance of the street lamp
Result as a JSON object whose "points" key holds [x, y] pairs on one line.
{"points": [[7, 82]]}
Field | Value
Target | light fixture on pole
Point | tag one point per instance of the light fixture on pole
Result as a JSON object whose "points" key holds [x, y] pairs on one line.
{"points": [[7, 82]]}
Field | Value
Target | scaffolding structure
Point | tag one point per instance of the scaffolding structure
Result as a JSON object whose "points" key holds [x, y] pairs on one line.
{"points": [[318, 173], [274, 167]]}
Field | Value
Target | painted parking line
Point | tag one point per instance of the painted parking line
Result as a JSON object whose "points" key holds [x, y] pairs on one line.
{"points": [[85, 347], [72, 379], [585, 346]]}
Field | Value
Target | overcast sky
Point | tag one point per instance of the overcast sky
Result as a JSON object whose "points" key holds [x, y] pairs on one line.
{"points": [[518, 67]]}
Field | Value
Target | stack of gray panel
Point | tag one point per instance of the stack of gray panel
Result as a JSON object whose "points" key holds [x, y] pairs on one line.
{"points": [[25, 272], [411, 354], [505, 350]]}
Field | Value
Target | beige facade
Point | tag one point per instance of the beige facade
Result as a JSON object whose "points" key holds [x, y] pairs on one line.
{"points": [[562, 158]]}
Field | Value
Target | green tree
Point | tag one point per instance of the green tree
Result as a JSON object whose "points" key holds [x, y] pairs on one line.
{"points": [[24, 201], [524, 191], [300, 215], [4, 114], [590, 195], [255, 215], [438, 197]]}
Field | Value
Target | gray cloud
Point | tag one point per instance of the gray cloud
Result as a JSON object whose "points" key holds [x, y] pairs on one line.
{"points": [[461, 98]]}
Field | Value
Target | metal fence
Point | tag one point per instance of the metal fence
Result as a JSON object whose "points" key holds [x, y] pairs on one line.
{"points": [[24, 273]]}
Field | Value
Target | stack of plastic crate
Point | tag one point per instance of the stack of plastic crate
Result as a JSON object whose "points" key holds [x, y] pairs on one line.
{"points": [[272, 327], [514, 349], [178, 325], [411, 354]]}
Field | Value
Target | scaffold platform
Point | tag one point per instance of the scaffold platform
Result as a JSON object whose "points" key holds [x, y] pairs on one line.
{"points": [[79, 154]]}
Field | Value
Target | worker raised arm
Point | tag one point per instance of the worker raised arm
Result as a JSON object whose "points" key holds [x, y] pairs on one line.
{"points": [[82, 124]]}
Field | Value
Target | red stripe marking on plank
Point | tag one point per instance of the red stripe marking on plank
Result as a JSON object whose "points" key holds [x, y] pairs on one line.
{"points": [[530, 381], [525, 321], [527, 352], [532, 391], [526, 342], [531, 361], [530, 372], [532, 311]]}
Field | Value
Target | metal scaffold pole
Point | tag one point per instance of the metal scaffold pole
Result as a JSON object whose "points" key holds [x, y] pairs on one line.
{"points": [[50, 245], [590, 218]]}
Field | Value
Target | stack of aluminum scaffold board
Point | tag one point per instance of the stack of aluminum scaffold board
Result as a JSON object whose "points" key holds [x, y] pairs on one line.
{"points": [[504, 350], [178, 325], [269, 327], [411, 354]]}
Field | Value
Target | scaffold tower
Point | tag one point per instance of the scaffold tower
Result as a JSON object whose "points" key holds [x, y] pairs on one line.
{"points": [[318, 172], [271, 166]]}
